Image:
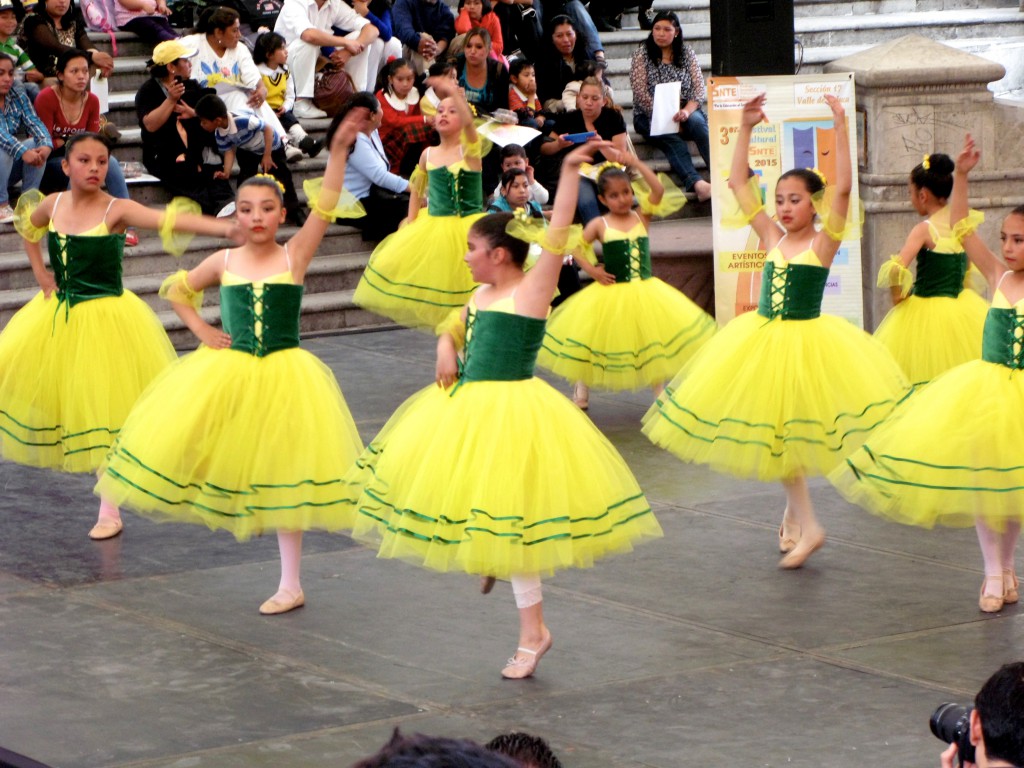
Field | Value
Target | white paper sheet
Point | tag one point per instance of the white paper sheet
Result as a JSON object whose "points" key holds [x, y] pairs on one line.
{"points": [[503, 134], [101, 87], [666, 104]]}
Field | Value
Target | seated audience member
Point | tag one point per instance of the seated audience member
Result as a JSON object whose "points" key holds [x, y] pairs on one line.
{"points": [[522, 94], [384, 195], [588, 69], [514, 193], [67, 108], [581, 21], [257, 147], [514, 156], [426, 29], [173, 143], [404, 130], [22, 159], [54, 27], [521, 28], [997, 722], [483, 80], [271, 56], [478, 13], [147, 19], [530, 751], [378, 13], [419, 751], [562, 54], [309, 25], [25, 71]]}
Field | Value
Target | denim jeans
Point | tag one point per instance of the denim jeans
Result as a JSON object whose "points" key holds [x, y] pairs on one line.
{"points": [[11, 171], [675, 145], [580, 20]]}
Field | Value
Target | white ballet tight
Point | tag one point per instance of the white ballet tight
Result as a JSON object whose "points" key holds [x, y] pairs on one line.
{"points": [[998, 549], [290, 545], [527, 590]]}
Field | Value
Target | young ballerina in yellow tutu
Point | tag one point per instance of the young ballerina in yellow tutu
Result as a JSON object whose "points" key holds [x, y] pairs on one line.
{"points": [[784, 392], [76, 357], [951, 454], [416, 276], [249, 433], [938, 325], [492, 471], [627, 329]]}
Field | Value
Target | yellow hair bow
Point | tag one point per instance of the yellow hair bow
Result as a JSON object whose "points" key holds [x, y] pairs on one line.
{"points": [[927, 162], [820, 175], [272, 178], [521, 214]]}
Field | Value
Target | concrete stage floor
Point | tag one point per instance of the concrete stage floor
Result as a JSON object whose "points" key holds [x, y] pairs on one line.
{"points": [[148, 651]]}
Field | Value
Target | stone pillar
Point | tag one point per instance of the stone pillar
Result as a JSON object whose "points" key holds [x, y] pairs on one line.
{"points": [[916, 96]]}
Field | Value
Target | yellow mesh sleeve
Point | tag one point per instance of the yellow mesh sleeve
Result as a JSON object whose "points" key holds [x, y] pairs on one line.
{"points": [[418, 181], [558, 241], [894, 275], [585, 252], [176, 242], [331, 204], [968, 226], [671, 201], [175, 289], [975, 281], [454, 326], [852, 225], [477, 148], [733, 216], [27, 204]]}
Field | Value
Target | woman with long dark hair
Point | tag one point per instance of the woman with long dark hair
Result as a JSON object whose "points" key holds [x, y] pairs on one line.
{"points": [[663, 58], [57, 26]]}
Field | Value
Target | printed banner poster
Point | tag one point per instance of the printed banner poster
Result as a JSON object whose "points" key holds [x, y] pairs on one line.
{"points": [[799, 135]]}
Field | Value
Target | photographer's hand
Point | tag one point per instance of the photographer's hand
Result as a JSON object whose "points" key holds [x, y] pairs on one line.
{"points": [[948, 759]]}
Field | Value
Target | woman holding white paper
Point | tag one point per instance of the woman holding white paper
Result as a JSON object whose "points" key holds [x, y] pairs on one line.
{"points": [[663, 59]]}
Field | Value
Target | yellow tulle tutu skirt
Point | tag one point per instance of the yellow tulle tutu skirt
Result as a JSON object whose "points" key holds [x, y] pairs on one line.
{"points": [[928, 336], [497, 478], [69, 377], [417, 275], [949, 455], [240, 443], [624, 336], [777, 399]]}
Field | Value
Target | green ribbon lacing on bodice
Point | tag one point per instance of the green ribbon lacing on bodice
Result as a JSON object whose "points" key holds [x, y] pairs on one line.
{"points": [[628, 259], [261, 319], [458, 194], [792, 292], [1003, 339], [85, 267], [500, 347], [939, 274]]}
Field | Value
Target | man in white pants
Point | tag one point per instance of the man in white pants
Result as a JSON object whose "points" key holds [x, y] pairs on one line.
{"points": [[308, 25]]}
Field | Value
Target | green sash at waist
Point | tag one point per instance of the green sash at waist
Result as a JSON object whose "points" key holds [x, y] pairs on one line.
{"points": [[792, 292], [939, 274], [501, 346], [86, 266], [1003, 337], [261, 319], [451, 194], [628, 259]]}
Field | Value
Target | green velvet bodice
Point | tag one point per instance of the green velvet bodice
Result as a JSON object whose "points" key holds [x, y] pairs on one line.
{"points": [[261, 319], [501, 346], [628, 259], [792, 292], [1003, 339], [939, 274], [86, 266], [454, 194]]}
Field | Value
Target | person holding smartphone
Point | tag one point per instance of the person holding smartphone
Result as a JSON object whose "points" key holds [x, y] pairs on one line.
{"points": [[591, 117], [173, 143]]}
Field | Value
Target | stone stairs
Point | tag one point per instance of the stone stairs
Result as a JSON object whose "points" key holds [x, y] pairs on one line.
{"points": [[825, 30]]}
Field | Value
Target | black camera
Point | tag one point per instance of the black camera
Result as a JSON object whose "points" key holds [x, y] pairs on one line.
{"points": [[952, 723]]}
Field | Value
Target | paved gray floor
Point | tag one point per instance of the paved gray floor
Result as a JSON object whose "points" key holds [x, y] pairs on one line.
{"points": [[695, 650]]}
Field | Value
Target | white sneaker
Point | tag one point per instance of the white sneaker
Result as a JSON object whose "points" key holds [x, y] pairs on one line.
{"points": [[305, 109], [6, 214], [292, 153], [227, 211]]}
